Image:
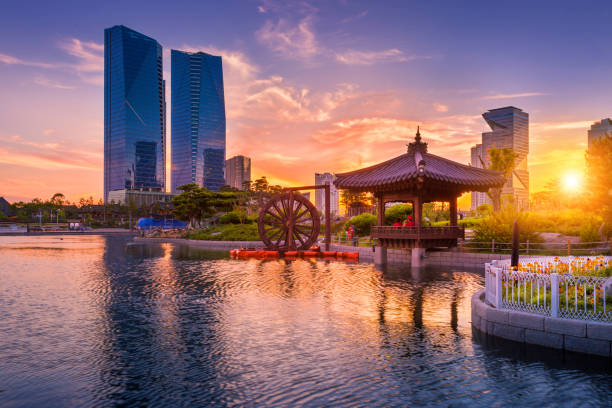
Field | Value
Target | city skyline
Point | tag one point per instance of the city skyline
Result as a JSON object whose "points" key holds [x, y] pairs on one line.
{"points": [[311, 87]]}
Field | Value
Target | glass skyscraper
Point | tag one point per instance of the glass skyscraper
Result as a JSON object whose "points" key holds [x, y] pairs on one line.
{"points": [[509, 128], [134, 112], [198, 120]]}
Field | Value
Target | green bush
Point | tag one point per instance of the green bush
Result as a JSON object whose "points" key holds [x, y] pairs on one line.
{"points": [[227, 232], [590, 231], [235, 217], [498, 226], [363, 223], [397, 213]]}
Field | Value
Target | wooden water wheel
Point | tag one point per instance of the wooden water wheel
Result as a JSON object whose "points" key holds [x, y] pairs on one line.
{"points": [[289, 222]]}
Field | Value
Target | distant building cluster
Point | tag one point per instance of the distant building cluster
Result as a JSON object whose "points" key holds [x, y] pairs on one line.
{"points": [[509, 129], [135, 120], [238, 172]]}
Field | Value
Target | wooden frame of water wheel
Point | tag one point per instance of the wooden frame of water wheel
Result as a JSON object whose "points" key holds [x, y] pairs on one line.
{"points": [[288, 221]]}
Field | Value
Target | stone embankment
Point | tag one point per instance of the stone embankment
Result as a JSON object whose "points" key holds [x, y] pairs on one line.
{"points": [[566, 334]]}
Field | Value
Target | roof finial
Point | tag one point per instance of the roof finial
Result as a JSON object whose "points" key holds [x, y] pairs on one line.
{"points": [[417, 144]]}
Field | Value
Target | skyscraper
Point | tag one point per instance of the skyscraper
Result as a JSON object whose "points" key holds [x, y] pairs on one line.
{"points": [[198, 120], [599, 130], [134, 117], [510, 129], [334, 196], [238, 171], [477, 156]]}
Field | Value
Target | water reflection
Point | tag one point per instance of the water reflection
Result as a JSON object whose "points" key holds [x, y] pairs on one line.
{"points": [[102, 321]]}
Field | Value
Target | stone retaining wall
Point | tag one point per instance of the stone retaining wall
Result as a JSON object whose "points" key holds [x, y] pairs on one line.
{"points": [[437, 258], [212, 245], [566, 334], [366, 254]]}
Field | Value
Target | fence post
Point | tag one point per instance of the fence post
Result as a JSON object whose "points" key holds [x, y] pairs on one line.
{"points": [[493, 245], [569, 248], [498, 287], [554, 295], [527, 247]]}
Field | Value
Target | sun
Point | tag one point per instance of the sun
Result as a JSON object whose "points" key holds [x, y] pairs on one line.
{"points": [[572, 182]]}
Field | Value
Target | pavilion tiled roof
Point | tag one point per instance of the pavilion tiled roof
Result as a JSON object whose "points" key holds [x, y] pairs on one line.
{"points": [[404, 169]]}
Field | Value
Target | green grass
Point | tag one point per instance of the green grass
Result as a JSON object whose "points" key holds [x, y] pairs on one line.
{"points": [[227, 232]]}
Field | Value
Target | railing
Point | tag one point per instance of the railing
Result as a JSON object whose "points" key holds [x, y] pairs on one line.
{"points": [[531, 248], [550, 287], [417, 232]]}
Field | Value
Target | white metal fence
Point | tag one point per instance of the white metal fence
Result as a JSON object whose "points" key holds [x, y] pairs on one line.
{"points": [[549, 286]]}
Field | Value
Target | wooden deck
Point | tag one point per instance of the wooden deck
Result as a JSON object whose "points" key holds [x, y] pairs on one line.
{"points": [[417, 237]]}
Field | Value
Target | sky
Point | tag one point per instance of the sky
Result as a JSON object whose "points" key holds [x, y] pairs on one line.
{"points": [[310, 86]]}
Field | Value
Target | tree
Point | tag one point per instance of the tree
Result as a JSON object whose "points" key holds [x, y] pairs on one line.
{"points": [[196, 203], [502, 160], [397, 213], [58, 199], [599, 180]]}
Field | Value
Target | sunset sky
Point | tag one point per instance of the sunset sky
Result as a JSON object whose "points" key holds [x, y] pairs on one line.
{"points": [[310, 86]]}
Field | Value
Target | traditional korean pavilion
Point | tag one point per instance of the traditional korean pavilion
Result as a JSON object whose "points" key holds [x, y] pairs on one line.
{"points": [[418, 177]]}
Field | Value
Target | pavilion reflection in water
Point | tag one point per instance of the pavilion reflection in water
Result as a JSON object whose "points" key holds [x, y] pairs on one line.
{"points": [[417, 177]]}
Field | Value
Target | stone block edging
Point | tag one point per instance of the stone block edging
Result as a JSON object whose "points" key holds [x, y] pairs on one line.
{"points": [[565, 334]]}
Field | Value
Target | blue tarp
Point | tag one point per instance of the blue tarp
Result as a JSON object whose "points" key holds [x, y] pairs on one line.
{"points": [[148, 223]]}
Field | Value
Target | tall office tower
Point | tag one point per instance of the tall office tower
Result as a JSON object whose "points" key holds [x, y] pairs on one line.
{"points": [[510, 128], [134, 117], [238, 171], [478, 198], [334, 196], [599, 130], [198, 120]]}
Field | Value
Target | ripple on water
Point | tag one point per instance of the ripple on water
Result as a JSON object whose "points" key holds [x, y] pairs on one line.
{"points": [[93, 321]]}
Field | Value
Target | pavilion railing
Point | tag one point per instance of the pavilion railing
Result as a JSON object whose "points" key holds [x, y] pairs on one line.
{"points": [[417, 232]]}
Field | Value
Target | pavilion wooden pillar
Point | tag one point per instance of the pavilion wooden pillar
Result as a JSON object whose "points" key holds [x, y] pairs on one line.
{"points": [[417, 205], [380, 252], [418, 250], [380, 207], [453, 211]]}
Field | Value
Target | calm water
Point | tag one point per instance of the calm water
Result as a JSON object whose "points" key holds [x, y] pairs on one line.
{"points": [[96, 321]]}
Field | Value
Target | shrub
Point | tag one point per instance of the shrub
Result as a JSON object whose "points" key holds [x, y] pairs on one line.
{"points": [[498, 226], [590, 231], [363, 223], [234, 217], [397, 213], [228, 232]]}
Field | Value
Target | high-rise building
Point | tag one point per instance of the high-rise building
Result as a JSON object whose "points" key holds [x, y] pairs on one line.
{"points": [[198, 120], [509, 129], [599, 130], [334, 196], [134, 112], [238, 171], [477, 155]]}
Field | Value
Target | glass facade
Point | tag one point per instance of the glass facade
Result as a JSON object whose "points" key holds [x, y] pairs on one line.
{"points": [[198, 120], [134, 117]]}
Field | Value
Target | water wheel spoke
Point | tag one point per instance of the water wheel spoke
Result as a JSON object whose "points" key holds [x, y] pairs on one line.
{"points": [[301, 231], [299, 237], [274, 215], [274, 235], [283, 234], [302, 214], [280, 213]]}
